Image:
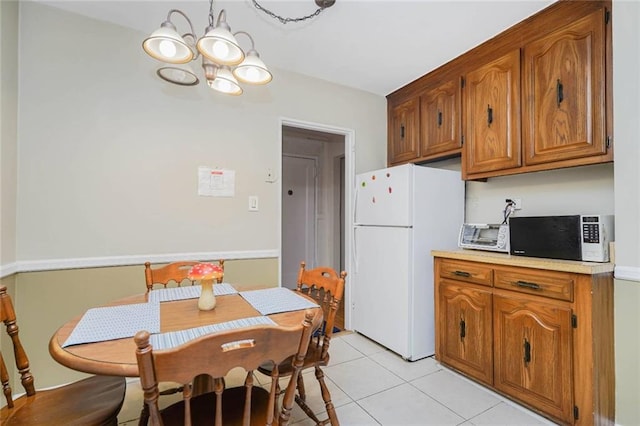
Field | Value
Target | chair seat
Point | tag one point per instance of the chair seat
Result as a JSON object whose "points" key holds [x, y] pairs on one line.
{"points": [[311, 360], [93, 401], [203, 408]]}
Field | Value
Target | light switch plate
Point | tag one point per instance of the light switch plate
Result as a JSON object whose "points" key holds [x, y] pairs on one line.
{"points": [[253, 203]]}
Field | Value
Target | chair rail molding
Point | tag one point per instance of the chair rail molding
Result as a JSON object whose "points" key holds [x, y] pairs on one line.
{"points": [[628, 273], [107, 261]]}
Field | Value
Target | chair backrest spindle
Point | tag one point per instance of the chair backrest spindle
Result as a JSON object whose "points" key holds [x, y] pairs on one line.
{"points": [[8, 316]]}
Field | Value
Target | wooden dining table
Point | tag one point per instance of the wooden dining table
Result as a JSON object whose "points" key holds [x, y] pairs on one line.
{"points": [[118, 357]]}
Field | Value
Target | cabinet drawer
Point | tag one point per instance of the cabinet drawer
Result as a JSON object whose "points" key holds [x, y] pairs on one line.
{"points": [[477, 273], [556, 285]]}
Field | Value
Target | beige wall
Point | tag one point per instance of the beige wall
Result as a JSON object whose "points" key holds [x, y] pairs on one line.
{"points": [[111, 151], [8, 128], [626, 108]]}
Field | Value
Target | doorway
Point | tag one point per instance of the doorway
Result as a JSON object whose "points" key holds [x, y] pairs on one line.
{"points": [[324, 219], [299, 188]]}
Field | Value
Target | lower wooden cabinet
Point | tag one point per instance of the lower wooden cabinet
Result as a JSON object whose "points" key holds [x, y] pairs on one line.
{"points": [[465, 342], [533, 353], [539, 336]]}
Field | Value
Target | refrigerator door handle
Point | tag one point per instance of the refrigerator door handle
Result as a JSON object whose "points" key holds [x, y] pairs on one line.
{"points": [[355, 205], [355, 249]]}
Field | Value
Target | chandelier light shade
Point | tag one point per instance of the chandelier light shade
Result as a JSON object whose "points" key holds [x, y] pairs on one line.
{"points": [[225, 82], [166, 45], [252, 70], [181, 75], [219, 45]]}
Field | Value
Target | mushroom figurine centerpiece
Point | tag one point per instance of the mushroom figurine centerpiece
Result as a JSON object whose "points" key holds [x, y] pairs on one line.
{"points": [[206, 273]]}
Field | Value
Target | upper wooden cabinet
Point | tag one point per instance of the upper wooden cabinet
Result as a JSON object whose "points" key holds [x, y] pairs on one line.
{"points": [[404, 144], [440, 119], [563, 77], [426, 124], [492, 121], [536, 97]]}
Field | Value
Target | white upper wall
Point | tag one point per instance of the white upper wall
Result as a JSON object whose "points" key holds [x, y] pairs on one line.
{"points": [[578, 190], [626, 112], [109, 152], [8, 128]]}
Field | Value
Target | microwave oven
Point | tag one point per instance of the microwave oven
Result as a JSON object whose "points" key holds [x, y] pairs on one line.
{"points": [[575, 237], [483, 236]]}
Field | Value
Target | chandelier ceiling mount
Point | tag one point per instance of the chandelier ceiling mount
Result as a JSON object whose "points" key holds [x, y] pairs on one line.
{"points": [[322, 5]]}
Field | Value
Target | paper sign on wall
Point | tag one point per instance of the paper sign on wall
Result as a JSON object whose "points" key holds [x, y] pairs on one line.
{"points": [[216, 182]]}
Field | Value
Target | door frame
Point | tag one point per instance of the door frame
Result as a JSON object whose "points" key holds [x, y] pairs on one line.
{"points": [[350, 161]]}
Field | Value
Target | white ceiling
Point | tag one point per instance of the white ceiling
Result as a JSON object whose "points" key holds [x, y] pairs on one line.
{"points": [[374, 45]]}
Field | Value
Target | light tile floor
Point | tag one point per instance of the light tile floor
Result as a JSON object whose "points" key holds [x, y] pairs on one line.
{"points": [[370, 385]]}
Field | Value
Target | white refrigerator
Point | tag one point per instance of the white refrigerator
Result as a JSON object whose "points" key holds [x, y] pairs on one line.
{"points": [[401, 214]]}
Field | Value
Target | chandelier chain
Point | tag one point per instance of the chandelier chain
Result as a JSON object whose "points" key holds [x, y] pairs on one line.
{"points": [[284, 20]]}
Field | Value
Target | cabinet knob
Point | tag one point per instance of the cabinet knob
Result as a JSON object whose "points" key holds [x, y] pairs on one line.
{"points": [[527, 351], [559, 93]]}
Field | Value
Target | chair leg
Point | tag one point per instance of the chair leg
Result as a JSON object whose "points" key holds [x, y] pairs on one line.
{"points": [[301, 391], [144, 415], [326, 396], [301, 399], [302, 404]]}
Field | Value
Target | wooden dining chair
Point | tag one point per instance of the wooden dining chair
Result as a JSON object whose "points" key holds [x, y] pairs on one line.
{"points": [[327, 288], [96, 400], [216, 354], [176, 272], [173, 272]]}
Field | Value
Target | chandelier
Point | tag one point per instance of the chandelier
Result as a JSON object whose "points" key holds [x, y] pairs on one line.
{"points": [[224, 62]]}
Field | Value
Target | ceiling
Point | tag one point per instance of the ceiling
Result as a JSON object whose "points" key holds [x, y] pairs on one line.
{"points": [[374, 45]]}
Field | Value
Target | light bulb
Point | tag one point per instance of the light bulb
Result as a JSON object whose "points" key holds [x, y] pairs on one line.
{"points": [[167, 48], [253, 74], [224, 86], [220, 49]]}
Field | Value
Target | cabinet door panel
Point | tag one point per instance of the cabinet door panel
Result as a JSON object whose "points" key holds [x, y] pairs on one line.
{"points": [[465, 329], [404, 132], [492, 123], [440, 119], [564, 77], [532, 342]]}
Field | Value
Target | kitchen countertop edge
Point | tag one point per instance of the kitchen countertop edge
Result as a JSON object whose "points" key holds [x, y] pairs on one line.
{"points": [[591, 268]]}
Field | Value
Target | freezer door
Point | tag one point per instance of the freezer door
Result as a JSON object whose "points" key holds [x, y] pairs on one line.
{"points": [[381, 286], [383, 197]]}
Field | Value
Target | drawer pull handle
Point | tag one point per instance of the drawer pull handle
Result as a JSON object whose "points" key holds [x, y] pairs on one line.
{"points": [[525, 284], [461, 274], [489, 115], [527, 351], [463, 329], [439, 118]]}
